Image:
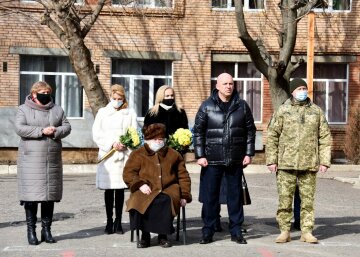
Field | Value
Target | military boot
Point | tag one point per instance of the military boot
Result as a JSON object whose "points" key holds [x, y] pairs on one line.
{"points": [[308, 238], [284, 237]]}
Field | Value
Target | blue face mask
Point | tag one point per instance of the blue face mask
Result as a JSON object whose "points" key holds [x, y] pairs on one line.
{"points": [[156, 146], [301, 95], [116, 104]]}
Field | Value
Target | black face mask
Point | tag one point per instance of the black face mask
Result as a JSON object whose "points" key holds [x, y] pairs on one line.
{"points": [[168, 102], [43, 98]]}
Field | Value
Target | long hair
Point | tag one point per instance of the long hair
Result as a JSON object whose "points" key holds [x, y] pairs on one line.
{"points": [[39, 85], [119, 89], [160, 94]]}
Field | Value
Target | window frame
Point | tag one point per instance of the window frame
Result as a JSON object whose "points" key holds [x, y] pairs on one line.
{"points": [[152, 5], [330, 9], [41, 75], [245, 81], [246, 7], [327, 83], [150, 78]]}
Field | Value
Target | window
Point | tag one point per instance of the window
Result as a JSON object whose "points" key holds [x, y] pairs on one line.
{"points": [[58, 73], [247, 80], [230, 5], [335, 5], [330, 89], [143, 3], [141, 79]]}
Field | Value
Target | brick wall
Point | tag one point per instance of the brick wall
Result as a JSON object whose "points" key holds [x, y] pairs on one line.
{"points": [[195, 31]]}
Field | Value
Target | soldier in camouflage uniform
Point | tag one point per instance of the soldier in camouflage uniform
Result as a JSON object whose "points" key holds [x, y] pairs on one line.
{"points": [[298, 145]]}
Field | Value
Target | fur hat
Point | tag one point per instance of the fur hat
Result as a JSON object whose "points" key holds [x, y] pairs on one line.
{"points": [[156, 130], [295, 83]]}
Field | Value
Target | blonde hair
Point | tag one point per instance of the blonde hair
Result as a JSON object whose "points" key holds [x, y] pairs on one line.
{"points": [[119, 89], [37, 86], [160, 94]]}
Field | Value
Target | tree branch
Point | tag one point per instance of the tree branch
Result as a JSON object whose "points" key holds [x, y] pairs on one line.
{"points": [[47, 20], [256, 49], [92, 18]]}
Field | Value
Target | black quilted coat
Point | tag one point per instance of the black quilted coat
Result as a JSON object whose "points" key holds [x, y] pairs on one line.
{"points": [[224, 138]]}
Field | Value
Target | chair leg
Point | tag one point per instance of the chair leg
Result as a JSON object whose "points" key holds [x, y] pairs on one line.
{"points": [[177, 227], [184, 225]]}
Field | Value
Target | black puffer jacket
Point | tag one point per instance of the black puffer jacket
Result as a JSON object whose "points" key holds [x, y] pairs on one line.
{"points": [[224, 138]]}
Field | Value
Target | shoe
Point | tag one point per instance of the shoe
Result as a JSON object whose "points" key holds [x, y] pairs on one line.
{"points": [[238, 239], [143, 244], [117, 227], [145, 240], [109, 227], [163, 241], [46, 236], [206, 240], [308, 238], [243, 230], [284, 237], [296, 224]]}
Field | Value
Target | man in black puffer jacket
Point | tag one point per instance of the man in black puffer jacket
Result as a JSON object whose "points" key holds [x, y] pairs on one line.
{"points": [[224, 142]]}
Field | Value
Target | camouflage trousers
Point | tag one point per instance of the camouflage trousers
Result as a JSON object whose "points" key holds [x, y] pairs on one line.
{"points": [[286, 183]]}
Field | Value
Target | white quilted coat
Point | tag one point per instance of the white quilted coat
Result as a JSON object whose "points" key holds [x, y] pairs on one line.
{"points": [[108, 126]]}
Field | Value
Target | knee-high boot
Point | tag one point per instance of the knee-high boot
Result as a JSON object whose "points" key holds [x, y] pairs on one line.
{"points": [[119, 203], [47, 211], [109, 206], [30, 213]]}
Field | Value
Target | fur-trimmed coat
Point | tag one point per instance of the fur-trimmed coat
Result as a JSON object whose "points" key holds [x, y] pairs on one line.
{"points": [[108, 126], [163, 171]]}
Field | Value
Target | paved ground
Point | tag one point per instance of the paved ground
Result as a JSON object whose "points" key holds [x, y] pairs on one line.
{"points": [[80, 220]]}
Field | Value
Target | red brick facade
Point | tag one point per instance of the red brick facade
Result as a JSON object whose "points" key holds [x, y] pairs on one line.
{"points": [[192, 29]]}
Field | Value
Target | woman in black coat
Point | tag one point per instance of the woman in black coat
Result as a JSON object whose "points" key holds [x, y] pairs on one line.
{"points": [[166, 111]]}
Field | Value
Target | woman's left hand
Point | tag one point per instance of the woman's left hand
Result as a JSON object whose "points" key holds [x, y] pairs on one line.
{"points": [[182, 202]]}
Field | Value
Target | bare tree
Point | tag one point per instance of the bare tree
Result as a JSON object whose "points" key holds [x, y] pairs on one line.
{"points": [[277, 69], [71, 24]]}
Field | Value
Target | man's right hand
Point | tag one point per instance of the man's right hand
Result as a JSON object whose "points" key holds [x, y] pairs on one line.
{"points": [[272, 167], [202, 162]]}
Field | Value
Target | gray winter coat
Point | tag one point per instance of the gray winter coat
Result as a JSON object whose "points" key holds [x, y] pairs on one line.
{"points": [[39, 163]]}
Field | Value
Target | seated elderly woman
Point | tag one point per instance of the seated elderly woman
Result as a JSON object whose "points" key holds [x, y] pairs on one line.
{"points": [[159, 184]]}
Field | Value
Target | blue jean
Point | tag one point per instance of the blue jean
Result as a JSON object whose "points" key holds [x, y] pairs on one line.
{"points": [[211, 181]]}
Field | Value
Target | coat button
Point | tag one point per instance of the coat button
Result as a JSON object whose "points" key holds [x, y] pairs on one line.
{"points": [[160, 176]]}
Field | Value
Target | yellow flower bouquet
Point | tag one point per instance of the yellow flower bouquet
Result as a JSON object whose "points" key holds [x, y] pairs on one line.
{"points": [[131, 139], [180, 140]]}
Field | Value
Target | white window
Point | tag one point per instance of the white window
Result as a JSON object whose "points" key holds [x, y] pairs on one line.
{"points": [[335, 6], [330, 89], [230, 5], [76, 1], [247, 80], [143, 3], [58, 73], [141, 79]]}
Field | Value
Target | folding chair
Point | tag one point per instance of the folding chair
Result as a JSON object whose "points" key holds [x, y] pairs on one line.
{"points": [[182, 211]]}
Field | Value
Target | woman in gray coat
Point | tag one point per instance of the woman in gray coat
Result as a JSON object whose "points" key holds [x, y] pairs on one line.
{"points": [[41, 124]]}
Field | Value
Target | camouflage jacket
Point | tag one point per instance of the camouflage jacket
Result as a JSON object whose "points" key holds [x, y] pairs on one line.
{"points": [[298, 137]]}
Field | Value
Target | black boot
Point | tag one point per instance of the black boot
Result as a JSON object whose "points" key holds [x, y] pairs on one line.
{"points": [[47, 211], [145, 240], [30, 213], [119, 203], [109, 205]]}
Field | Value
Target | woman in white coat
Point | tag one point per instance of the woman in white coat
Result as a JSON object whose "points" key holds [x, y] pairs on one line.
{"points": [[110, 123]]}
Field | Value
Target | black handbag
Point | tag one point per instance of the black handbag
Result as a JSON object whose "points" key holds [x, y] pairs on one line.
{"points": [[246, 195]]}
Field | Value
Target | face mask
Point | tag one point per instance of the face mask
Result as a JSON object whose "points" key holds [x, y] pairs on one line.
{"points": [[156, 146], [168, 102], [301, 95], [116, 104], [43, 98]]}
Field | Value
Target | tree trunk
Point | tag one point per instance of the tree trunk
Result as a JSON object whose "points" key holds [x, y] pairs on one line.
{"points": [[80, 59]]}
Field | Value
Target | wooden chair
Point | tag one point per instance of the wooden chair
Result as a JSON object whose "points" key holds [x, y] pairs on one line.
{"points": [[178, 221]]}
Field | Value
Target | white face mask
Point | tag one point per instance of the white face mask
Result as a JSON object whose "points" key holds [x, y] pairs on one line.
{"points": [[156, 146], [301, 95], [116, 104]]}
